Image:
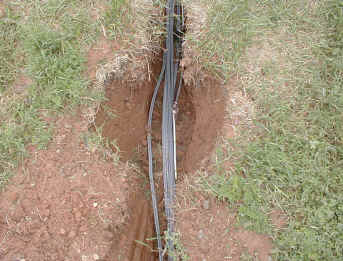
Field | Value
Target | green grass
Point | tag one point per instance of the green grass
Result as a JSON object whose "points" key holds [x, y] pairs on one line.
{"points": [[294, 160], [48, 43], [116, 16], [294, 75], [136, 24], [179, 252], [220, 43], [8, 43]]}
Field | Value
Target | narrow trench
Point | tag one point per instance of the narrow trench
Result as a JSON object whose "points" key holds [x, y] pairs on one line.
{"points": [[199, 119]]}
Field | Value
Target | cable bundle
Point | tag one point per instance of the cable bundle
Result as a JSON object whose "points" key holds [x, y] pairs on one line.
{"points": [[169, 71]]}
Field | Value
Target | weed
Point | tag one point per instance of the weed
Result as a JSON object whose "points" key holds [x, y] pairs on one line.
{"points": [[95, 142], [179, 252]]}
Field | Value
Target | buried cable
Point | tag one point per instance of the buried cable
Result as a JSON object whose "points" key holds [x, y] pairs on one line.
{"points": [[150, 155], [167, 131]]}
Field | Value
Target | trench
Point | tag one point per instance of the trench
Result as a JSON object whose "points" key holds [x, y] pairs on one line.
{"points": [[123, 118]]}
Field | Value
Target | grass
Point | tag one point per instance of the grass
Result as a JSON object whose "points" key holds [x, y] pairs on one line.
{"points": [[223, 35], [47, 43], [115, 17], [137, 24], [179, 252], [96, 142], [8, 34], [292, 71], [288, 55]]}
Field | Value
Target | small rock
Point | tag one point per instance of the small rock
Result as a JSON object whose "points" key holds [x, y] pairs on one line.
{"points": [[206, 204], [95, 204], [62, 231], [201, 234]]}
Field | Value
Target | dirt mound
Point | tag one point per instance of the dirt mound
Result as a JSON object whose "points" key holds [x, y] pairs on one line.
{"points": [[65, 203]]}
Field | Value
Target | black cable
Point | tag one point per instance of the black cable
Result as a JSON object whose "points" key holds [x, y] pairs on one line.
{"points": [[167, 131], [169, 71], [151, 170]]}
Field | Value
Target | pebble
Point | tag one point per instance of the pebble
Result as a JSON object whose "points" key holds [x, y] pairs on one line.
{"points": [[206, 204], [62, 231], [201, 234]]}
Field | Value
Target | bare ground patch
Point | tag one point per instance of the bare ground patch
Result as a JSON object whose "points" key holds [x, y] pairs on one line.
{"points": [[65, 202]]}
